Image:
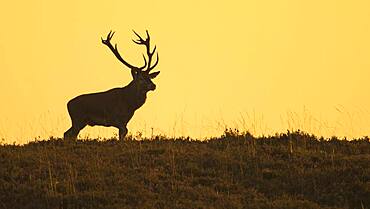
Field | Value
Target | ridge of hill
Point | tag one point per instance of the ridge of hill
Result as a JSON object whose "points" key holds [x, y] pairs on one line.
{"points": [[236, 170]]}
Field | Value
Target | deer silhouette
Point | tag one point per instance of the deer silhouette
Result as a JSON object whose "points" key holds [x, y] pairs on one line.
{"points": [[115, 107]]}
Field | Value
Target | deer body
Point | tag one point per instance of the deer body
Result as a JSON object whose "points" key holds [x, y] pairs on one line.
{"points": [[114, 107], [103, 112]]}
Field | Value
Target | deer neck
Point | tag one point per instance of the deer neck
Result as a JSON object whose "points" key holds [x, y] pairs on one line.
{"points": [[137, 95]]}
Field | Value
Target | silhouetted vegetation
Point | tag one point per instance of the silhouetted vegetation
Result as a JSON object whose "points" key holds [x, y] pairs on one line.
{"points": [[236, 170]]}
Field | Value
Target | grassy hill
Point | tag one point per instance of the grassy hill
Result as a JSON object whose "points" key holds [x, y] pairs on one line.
{"points": [[236, 170]]}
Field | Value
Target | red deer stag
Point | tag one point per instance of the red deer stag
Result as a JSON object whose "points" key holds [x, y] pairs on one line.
{"points": [[114, 107]]}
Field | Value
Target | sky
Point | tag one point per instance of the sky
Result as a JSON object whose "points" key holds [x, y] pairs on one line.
{"points": [[256, 65]]}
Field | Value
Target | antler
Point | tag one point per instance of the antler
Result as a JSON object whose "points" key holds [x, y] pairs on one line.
{"points": [[146, 42], [116, 53]]}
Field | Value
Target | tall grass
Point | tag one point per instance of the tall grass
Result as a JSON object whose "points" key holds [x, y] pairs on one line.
{"points": [[347, 123]]}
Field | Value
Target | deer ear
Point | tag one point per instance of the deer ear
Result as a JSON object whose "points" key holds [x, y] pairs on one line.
{"points": [[153, 75]]}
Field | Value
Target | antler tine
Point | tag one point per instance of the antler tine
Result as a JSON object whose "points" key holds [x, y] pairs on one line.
{"points": [[155, 64], [150, 54], [114, 49], [141, 41], [110, 34], [147, 34], [145, 63]]}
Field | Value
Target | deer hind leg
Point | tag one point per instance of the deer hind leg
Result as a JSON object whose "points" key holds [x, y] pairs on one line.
{"points": [[122, 133], [73, 132]]}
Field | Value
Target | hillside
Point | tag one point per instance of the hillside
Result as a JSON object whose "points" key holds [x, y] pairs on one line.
{"points": [[236, 170]]}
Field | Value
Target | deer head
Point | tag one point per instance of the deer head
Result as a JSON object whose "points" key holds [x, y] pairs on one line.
{"points": [[142, 78]]}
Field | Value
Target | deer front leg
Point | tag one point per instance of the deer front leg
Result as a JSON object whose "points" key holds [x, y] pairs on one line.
{"points": [[122, 133]]}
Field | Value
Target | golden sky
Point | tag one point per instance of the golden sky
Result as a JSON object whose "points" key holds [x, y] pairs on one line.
{"points": [[258, 65]]}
